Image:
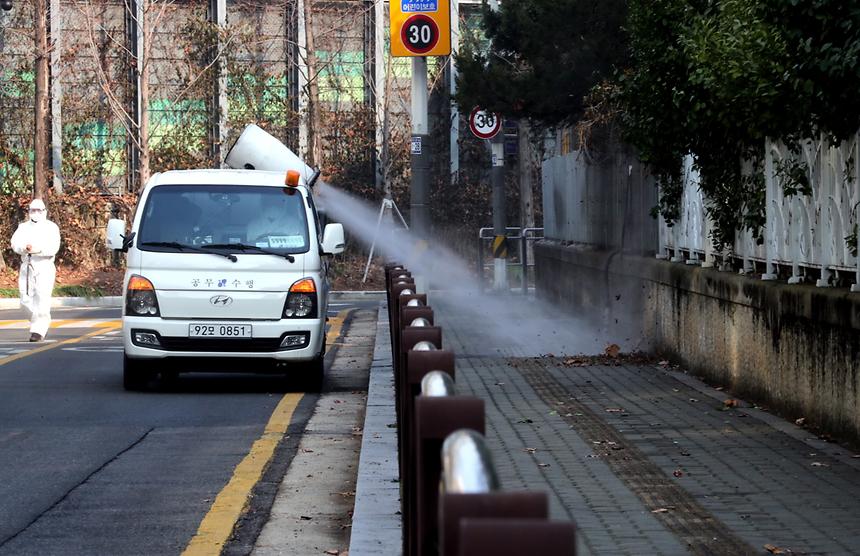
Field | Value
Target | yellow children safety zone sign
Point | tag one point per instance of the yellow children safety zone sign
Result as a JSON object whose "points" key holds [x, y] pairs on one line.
{"points": [[420, 27]]}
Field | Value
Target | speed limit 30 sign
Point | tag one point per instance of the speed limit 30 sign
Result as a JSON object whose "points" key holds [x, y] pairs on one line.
{"points": [[484, 124], [420, 27]]}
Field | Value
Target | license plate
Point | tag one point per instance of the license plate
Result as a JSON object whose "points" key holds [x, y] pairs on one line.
{"points": [[218, 330]]}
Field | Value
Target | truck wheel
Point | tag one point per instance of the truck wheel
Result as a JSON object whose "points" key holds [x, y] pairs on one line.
{"points": [[134, 375], [314, 372]]}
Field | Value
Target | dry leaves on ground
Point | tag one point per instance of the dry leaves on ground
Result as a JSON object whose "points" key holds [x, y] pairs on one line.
{"points": [[612, 350]]}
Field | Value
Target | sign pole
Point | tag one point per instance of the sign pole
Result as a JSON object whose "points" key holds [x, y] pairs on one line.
{"points": [[421, 157], [420, 28], [500, 248], [487, 125]]}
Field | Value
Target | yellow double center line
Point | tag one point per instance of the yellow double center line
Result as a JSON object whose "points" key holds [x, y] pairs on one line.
{"points": [[232, 501], [104, 327]]}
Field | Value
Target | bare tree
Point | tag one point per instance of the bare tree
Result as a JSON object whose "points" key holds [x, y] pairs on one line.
{"points": [[148, 16]]}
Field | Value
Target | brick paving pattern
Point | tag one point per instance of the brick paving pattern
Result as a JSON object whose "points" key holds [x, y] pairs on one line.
{"points": [[739, 475]]}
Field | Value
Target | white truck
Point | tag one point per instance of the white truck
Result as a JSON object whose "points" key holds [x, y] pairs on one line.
{"points": [[227, 266]]}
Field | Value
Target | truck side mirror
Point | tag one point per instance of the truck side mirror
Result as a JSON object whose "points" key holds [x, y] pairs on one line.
{"points": [[115, 236], [333, 241]]}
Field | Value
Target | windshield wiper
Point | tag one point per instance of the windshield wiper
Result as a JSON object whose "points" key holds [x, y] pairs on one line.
{"points": [[184, 247], [247, 247]]}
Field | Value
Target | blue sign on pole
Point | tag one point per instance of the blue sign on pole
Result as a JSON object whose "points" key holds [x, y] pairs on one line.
{"points": [[408, 6]]}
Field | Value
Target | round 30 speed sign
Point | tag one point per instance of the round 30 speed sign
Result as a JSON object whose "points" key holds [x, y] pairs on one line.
{"points": [[419, 33], [484, 124]]}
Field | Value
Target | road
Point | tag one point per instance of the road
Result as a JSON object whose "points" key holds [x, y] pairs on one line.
{"points": [[88, 468]]}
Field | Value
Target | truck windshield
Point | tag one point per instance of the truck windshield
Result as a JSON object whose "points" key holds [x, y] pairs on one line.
{"points": [[271, 218]]}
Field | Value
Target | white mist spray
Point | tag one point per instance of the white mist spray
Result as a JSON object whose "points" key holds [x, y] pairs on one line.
{"points": [[501, 323]]}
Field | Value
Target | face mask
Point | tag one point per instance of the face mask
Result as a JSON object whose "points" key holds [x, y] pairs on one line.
{"points": [[36, 216]]}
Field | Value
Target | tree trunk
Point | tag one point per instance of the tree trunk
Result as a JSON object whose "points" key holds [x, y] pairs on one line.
{"points": [[42, 138], [314, 144]]}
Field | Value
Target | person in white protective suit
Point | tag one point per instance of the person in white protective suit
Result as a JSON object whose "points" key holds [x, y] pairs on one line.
{"points": [[37, 241]]}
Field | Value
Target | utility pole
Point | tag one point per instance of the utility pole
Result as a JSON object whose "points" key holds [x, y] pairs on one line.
{"points": [[56, 96], [421, 155], [497, 179], [420, 29], [218, 116]]}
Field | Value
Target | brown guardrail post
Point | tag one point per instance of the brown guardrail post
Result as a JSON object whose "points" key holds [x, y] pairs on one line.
{"points": [[453, 507], [408, 314], [514, 537], [397, 325], [435, 419], [403, 402], [419, 364]]}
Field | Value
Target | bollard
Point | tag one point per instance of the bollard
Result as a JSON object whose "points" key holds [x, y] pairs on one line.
{"points": [[397, 324], [453, 508], [424, 342], [470, 488], [435, 419], [394, 271], [415, 311], [514, 537], [390, 271], [420, 363], [437, 384], [422, 339], [410, 336]]}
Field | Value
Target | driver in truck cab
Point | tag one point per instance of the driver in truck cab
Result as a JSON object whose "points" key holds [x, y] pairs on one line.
{"points": [[277, 224]]}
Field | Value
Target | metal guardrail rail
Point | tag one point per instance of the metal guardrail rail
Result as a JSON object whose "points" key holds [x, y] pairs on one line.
{"points": [[450, 491], [522, 237]]}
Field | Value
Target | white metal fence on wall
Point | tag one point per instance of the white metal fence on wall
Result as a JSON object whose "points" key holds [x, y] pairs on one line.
{"points": [[812, 236]]}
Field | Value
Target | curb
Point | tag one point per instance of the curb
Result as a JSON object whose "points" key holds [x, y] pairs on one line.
{"points": [[377, 527]]}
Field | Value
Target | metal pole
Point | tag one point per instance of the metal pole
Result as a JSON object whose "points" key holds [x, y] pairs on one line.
{"points": [[302, 78], [379, 84], [421, 156], [218, 130], [497, 178], [133, 17], [56, 96], [455, 111], [524, 259]]}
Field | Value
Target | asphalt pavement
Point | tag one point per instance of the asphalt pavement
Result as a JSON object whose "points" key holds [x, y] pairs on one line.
{"points": [[645, 458], [88, 468]]}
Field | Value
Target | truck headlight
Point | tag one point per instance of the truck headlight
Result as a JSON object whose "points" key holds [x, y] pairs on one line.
{"points": [[301, 300], [140, 299]]}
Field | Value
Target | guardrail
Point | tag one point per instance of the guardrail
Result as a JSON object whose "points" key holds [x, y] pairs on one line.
{"points": [[522, 237], [452, 501], [804, 236]]}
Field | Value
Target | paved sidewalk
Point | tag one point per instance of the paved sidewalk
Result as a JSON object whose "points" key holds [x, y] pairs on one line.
{"points": [[647, 460]]}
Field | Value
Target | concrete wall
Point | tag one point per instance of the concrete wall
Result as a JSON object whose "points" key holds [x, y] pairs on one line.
{"points": [[604, 202], [794, 349]]}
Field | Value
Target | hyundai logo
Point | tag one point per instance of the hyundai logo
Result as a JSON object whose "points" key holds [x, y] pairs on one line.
{"points": [[221, 300]]}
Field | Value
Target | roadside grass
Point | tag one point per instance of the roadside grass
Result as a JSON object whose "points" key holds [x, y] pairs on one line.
{"points": [[62, 291]]}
